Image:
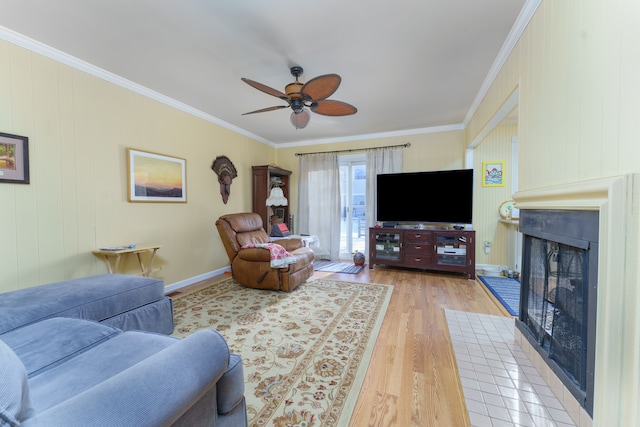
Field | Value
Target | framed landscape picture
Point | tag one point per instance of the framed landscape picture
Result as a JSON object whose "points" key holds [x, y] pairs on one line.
{"points": [[14, 159], [155, 177], [493, 174]]}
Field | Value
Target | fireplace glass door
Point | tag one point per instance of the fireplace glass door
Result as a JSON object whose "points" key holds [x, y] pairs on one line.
{"points": [[570, 300], [556, 303]]}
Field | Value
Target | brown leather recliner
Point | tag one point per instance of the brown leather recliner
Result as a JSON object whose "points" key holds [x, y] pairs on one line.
{"points": [[251, 267]]}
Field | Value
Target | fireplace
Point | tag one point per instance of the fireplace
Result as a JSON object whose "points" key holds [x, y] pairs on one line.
{"points": [[615, 392], [559, 294]]}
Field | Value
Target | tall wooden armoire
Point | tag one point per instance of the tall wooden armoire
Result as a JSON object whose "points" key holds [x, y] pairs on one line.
{"points": [[265, 178]]}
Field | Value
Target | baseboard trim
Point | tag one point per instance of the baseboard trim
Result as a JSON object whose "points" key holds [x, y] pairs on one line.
{"points": [[190, 281]]}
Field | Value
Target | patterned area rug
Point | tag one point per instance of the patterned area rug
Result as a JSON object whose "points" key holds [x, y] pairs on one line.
{"points": [[337, 267], [305, 353], [506, 290]]}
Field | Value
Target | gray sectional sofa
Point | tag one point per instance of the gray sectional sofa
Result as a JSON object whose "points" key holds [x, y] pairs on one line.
{"points": [[94, 352]]}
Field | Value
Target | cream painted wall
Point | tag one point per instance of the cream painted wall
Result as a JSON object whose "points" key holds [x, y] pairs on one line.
{"points": [[577, 66], [79, 127], [428, 151], [440, 151], [496, 146]]}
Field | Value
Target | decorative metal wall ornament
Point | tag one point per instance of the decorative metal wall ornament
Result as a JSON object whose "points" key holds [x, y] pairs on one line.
{"points": [[225, 170]]}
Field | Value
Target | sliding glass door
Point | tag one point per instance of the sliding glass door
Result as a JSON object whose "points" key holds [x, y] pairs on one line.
{"points": [[353, 231]]}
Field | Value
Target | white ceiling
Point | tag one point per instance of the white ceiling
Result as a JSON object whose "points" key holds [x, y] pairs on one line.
{"points": [[407, 65]]}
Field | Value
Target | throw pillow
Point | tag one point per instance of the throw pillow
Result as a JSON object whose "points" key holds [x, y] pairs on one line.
{"points": [[15, 404]]}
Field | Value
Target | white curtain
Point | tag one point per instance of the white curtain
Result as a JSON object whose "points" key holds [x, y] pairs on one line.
{"points": [[379, 161], [319, 202]]}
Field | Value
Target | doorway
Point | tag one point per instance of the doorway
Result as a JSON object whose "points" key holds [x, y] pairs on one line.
{"points": [[353, 232]]}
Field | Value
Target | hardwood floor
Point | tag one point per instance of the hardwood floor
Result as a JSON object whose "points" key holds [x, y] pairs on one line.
{"points": [[412, 379]]}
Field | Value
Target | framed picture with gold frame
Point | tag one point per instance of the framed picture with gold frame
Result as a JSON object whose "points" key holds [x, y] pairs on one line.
{"points": [[493, 173], [154, 177]]}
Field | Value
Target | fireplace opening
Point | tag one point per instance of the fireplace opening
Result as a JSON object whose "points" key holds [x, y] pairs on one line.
{"points": [[558, 294]]}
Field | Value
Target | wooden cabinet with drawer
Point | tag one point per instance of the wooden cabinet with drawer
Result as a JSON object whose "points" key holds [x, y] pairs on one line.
{"points": [[443, 250], [418, 249]]}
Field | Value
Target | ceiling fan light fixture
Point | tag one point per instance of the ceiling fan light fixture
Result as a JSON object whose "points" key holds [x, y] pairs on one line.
{"points": [[293, 90], [302, 97], [300, 120], [297, 105]]}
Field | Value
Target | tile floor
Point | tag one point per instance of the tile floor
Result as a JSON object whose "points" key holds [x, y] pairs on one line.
{"points": [[500, 384]]}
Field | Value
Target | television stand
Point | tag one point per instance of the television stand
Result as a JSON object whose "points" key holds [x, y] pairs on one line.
{"points": [[426, 249]]}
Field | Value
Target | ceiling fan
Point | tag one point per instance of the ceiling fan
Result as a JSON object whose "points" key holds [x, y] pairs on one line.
{"points": [[308, 96]]}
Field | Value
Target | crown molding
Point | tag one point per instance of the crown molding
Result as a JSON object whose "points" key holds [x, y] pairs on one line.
{"points": [[64, 58], [408, 132], [518, 28], [47, 51], [71, 61]]}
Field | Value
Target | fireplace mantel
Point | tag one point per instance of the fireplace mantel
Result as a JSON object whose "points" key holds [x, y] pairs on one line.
{"points": [[617, 326], [589, 195]]}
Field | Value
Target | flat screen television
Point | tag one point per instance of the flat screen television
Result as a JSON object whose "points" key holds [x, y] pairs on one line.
{"points": [[426, 197]]}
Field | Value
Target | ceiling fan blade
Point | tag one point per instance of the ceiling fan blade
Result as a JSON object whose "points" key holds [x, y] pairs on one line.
{"points": [[263, 110], [266, 89], [321, 87], [333, 108]]}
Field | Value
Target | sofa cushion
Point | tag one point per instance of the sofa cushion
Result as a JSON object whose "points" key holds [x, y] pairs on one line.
{"points": [[97, 365], [43, 345], [154, 317], [231, 386], [95, 298], [15, 404]]}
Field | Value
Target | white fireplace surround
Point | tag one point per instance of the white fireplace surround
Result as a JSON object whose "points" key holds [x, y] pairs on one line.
{"points": [[617, 364]]}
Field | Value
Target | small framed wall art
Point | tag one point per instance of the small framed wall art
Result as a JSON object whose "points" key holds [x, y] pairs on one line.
{"points": [[14, 159], [493, 174], [155, 177]]}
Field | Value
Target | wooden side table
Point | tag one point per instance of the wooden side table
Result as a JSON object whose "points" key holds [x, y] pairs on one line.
{"points": [[113, 255]]}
